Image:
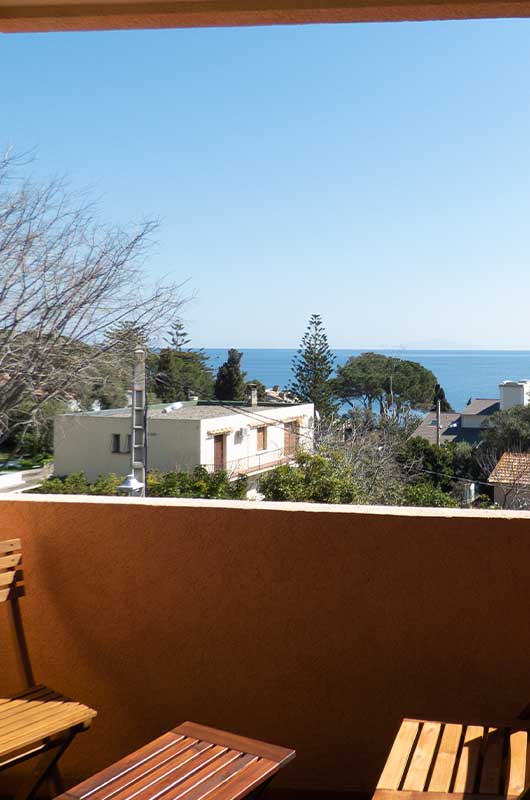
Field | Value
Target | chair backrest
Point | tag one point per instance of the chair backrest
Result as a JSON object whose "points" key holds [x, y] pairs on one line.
{"points": [[11, 588], [10, 568]]}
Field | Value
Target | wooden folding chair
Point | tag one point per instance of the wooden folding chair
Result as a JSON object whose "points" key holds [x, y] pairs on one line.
{"points": [[38, 722], [191, 762], [432, 760]]}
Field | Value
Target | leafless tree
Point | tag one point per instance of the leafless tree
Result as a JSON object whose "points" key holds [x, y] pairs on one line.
{"points": [[66, 278], [368, 454]]}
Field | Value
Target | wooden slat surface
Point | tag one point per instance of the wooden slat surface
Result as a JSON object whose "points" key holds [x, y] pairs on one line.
{"points": [[446, 759], [517, 762], [469, 758], [397, 760], [26, 722], [423, 755], [282, 755], [433, 759], [491, 773], [10, 561], [181, 766], [8, 545]]}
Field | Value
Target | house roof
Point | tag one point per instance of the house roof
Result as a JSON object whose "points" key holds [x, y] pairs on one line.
{"points": [[512, 468], [449, 431], [482, 406], [190, 410]]}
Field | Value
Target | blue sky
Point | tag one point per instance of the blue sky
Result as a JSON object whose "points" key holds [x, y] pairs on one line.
{"points": [[376, 174]]}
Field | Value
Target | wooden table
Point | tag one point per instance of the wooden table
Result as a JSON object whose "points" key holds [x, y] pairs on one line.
{"points": [[190, 762]]}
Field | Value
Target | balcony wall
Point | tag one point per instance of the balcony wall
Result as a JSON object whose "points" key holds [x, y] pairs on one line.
{"points": [[314, 627]]}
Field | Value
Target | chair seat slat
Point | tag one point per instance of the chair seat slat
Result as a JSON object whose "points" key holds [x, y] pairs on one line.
{"points": [[446, 759], [420, 764], [518, 763], [397, 760]]}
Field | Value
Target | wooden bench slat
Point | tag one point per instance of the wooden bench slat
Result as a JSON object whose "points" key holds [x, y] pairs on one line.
{"points": [[446, 758], [418, 770], [282, 755], [247, 779], [396, 763], [216, 779], [54, 725], [189, 773], [22, 712], [36, 693], [7, 578], [7, 545], [10, 561], [469, 756], [119, 768], [490, 778], [181, 756], [517, 763], [180, 766]]}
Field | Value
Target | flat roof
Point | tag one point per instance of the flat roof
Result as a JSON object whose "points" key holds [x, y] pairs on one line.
{"points": [[190, 410]]}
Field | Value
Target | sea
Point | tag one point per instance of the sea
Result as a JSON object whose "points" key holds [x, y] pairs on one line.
{"points": [[462, 373]]}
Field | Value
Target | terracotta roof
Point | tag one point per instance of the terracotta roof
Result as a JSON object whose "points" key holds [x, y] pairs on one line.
{"points": [[482, 405], [511, 468]]}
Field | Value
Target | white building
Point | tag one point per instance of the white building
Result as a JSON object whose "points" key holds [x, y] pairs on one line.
{"points": [[239, 438]]}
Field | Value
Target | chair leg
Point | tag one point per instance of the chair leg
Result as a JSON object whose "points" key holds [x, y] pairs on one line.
{"points": [[46, 769]]}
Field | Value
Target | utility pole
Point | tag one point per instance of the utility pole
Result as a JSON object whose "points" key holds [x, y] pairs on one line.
{"points": [[139, 421], [438, 424]]}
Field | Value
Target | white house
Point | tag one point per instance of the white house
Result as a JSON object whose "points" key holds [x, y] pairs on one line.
{"points": [[239, 438]]}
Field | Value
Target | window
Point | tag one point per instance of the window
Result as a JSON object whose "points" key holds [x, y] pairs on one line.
{"points": [[116, 445], [262, 438]]}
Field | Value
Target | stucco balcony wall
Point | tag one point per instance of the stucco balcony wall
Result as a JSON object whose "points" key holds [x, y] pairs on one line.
{"points": [[314, 627]]}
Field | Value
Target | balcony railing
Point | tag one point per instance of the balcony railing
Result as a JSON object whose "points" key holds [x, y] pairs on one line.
{"points": [[249, 465]]}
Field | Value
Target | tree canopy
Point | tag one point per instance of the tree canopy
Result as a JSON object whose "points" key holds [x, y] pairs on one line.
{"points": [[180, 373], [230, 383], [393, 384], [312, 368]]}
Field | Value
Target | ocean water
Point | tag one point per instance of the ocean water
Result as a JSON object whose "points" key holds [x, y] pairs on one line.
{"points": [[462, 373]]}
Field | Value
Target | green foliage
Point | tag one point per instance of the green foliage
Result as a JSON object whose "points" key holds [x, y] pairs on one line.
{"points": [[312, 368], [440, 466], [425, 494], [508, 431], [314, 479], [393, 383], [76, 483], [230, 383], [200, 483], [181, 374], [439, 395]]}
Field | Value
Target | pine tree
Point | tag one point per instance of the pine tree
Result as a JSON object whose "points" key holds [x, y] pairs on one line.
{"points": [[178, 336], [439, 395], [181, 373], [230, 383], [312, 368]]}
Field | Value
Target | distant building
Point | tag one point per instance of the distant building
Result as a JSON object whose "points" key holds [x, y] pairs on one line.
{"points": [[511, 481], [236, 437], [469, 424]]}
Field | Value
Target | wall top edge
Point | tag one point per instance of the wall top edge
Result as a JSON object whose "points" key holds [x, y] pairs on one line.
{"points": [[264, 506]]}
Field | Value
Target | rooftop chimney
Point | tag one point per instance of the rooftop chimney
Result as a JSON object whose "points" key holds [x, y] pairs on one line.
{"points": [[252, 394]]}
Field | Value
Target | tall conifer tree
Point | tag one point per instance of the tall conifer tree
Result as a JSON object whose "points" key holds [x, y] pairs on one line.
{"points": [[230, 383], [312, 368]]}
